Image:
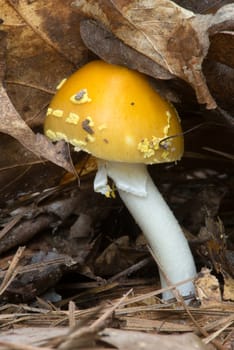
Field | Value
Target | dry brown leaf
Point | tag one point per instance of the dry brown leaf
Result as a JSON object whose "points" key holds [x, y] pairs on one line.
{"points": [[32, 335], [207, 288], [116, 257], [109, 48], [222, 89], [55, 25], [222, 48], [128, 340], [12, 124], [228, 288], [171, 36], [201, 6], [43, 46]]}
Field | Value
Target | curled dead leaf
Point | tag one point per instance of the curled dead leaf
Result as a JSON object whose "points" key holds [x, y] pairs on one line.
{"points": [[13, 125], [207, 288], [173, 37], [108, 47]]}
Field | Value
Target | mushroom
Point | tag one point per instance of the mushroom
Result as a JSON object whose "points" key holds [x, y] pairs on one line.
{"points": [[115, 114]]}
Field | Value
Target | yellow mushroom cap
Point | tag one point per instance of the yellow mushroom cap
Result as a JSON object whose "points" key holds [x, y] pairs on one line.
{"points": [[115, 114]]}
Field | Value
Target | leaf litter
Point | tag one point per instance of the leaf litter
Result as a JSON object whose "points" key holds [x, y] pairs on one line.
{"points": [[173, 37], [74, 269]]}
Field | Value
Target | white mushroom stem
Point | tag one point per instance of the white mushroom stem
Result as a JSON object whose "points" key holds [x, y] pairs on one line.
{"points": [[155, 218]]}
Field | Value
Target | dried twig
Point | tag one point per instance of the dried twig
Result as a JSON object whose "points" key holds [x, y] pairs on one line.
{"points": [[12, 270]]}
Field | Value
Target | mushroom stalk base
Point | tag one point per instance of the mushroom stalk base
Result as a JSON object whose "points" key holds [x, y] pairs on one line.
{"points": [[158, 224]]}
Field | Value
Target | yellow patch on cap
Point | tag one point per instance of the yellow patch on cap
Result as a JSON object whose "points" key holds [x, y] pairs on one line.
{"points": [[49, 111], [61, 136], [78, 143], [72, 118], [50, 134], [57, 113], [61, 84]]}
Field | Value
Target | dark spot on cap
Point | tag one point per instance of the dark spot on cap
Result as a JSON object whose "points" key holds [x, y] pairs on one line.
{"points": [[105, 140], [87, 127], [78, 96], [132, 103]]}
